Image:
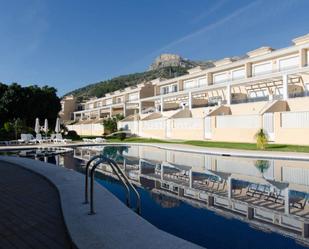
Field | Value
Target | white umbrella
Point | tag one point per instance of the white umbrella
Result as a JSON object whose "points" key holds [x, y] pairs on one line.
{"points": [[37, 126], [57, 128], [46, 125]]}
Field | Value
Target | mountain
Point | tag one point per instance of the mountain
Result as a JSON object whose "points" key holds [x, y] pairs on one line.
{"points": [[165, 66]]}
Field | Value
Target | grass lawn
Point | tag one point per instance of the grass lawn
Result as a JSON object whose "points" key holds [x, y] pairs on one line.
{"points": [[227, 145]]}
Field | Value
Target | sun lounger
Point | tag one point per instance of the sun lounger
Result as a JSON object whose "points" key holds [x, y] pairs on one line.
{"points": [[299, 201], [95, 140], [23, 138], [257, 190], [58, 139], [99, 140]]}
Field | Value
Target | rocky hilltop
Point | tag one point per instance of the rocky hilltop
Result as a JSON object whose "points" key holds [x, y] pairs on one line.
{"points": [[164, 66], [170, 60]]}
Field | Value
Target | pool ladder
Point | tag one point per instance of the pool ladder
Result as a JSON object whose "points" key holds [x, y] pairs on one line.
{"points": [[121, 176]]}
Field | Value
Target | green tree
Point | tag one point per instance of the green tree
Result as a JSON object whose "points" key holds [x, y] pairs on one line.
{"points": [[110, 123], [28, 103]]}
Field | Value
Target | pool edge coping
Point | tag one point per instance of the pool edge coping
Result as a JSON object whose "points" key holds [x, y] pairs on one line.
{"points": [[183, 148]]}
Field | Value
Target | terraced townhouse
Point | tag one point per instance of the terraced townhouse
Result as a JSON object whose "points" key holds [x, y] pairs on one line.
{"points": [[231, 101]]}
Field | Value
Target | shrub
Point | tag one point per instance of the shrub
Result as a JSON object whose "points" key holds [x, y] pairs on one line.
{"points": [[73, 135], [261, 139], [122, 135]]}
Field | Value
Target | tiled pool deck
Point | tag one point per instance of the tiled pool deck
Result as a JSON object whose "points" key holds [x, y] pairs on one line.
{"points": [[30, 213]]}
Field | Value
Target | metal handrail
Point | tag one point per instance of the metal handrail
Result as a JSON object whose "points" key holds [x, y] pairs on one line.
{"points": [[87, 176], [120, 174], [138, 201], [104, 159]]}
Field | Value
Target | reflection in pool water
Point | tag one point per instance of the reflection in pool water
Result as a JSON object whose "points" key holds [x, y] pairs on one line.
{"points": [[213, 201]]}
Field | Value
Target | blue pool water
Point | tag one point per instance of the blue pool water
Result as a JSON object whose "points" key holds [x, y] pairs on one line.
{"points": [[201, 226], [189, 217]]}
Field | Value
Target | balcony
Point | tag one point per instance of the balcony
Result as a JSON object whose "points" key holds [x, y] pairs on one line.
{"points": [[249, 100], [299, 94]]}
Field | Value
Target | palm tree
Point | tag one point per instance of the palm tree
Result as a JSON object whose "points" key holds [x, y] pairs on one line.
{"points": [[262, 165], [261, 139]]}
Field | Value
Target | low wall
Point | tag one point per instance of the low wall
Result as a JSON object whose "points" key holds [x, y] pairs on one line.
{"points": [[241, 128], [292, 128], [87, 129], [155, 128], [186, 128], [282, 128]]}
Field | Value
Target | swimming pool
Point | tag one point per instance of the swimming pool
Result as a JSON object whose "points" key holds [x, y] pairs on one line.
{"points": [[214, 201]]}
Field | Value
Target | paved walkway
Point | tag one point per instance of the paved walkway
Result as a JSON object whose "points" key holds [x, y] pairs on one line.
{"points": [[30, 214]]}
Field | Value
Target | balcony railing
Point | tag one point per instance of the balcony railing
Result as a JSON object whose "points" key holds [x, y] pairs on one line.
{"points": [[249, 100], [274, 70], [299, 94]]}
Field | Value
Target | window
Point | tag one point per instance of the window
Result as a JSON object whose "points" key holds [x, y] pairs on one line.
{"points": [[174, 88], [133, 96], [258, 93], [168, 89], [220, 78], [202, 82], [189, 84], [262, 68], [109, 101], [164, 90], [238, 74], [288, 63], [214, 99]]}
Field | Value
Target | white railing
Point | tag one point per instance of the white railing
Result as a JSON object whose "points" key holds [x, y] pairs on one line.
{"points": [[295, 120], [242, 121]]}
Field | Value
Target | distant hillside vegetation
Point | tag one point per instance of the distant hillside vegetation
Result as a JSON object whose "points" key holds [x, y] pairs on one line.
{"points": [[164, 70]]}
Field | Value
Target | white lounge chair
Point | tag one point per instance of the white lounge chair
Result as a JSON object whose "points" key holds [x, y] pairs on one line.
{"points": [[99, 140], [59, 139], [23, 138], [39, 139], [87, 140], [31, 139]]}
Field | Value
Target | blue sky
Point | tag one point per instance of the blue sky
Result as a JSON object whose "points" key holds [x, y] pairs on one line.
{"points": [[71, 43]]}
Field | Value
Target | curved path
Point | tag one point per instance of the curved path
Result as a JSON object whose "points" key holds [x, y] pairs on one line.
{"points": [[30, 212]]}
